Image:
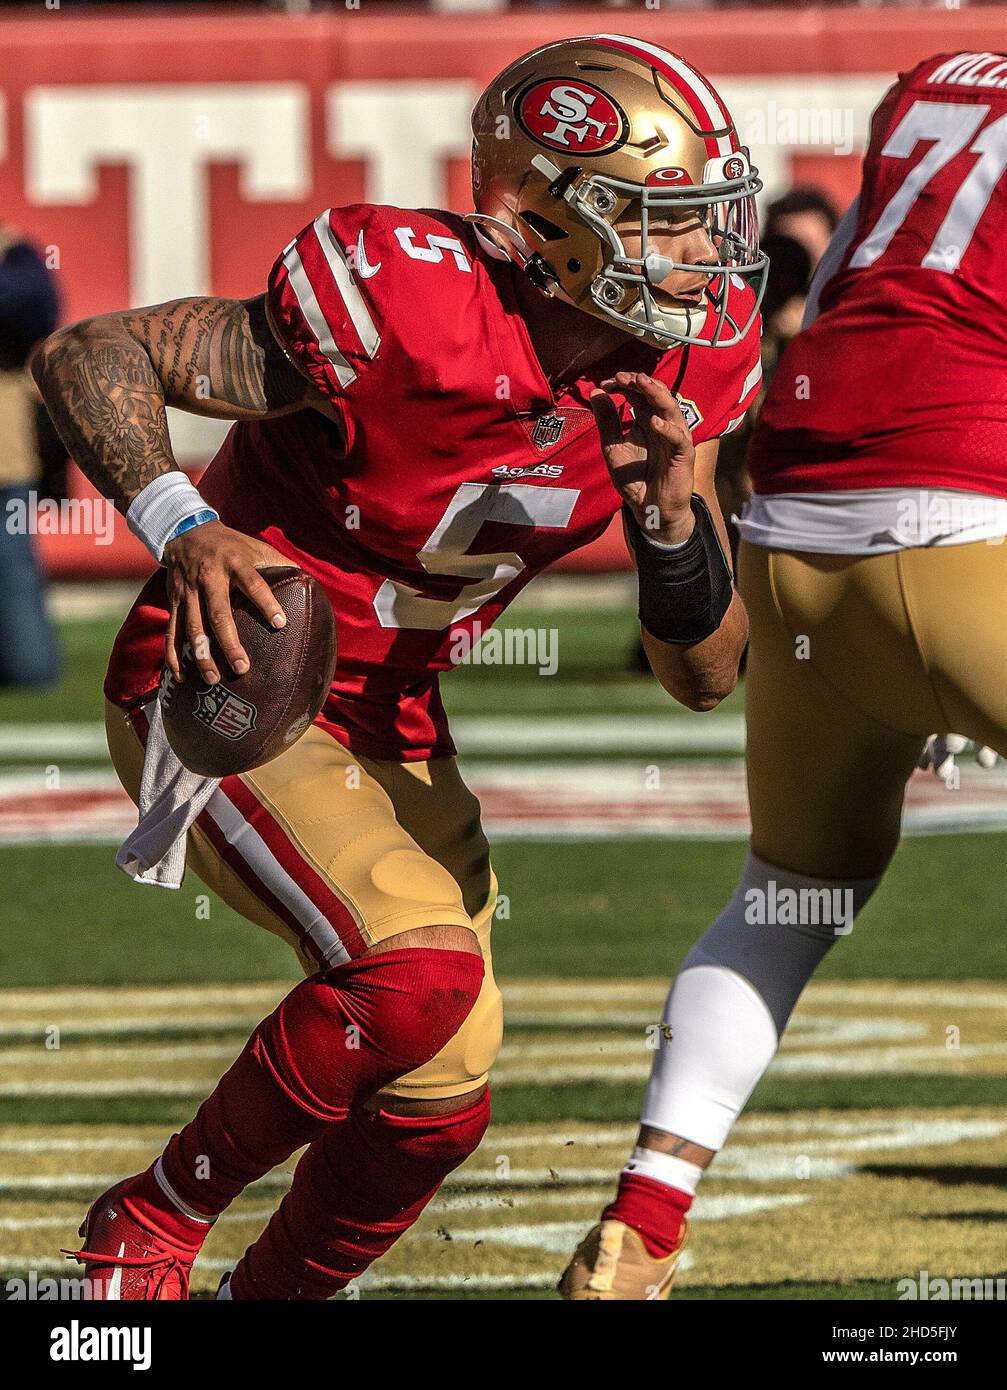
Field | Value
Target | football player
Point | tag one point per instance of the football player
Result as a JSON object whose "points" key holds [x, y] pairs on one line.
{"points": [[873, 569], [398, 387]]}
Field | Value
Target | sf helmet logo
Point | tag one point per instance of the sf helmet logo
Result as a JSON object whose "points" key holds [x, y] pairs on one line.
{"points": [[571, 116], [735, 167]]}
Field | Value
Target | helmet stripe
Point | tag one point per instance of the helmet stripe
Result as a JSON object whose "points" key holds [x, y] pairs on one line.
{"points": [[703, 100]]}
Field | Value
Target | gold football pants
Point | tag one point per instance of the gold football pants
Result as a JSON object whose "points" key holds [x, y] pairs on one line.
{"points": [[335, 852], [853, 662]]}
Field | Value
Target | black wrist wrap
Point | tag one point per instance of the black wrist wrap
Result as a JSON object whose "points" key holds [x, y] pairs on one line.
{"points": [[684, 593]]}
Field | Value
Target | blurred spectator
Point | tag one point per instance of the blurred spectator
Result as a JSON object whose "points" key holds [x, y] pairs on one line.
{"points": [[28, 312], [790, 270], [807, 215]]}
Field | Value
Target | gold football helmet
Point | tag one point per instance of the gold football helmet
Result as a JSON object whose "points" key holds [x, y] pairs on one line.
{"points": [[575, 134]]}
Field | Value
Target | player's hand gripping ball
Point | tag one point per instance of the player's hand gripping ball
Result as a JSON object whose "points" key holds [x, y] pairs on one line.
{"points": [[242, 721]]}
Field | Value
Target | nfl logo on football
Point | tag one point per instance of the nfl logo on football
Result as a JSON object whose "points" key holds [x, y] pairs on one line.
{"points": [[225, 713]]}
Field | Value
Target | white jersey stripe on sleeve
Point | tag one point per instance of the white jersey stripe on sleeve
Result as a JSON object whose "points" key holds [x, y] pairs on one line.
{"points": [[753, 378], [359, 314], [313, 316]]}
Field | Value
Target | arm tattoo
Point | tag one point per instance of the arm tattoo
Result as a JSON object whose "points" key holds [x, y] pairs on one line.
{"points": [[106, 383]]}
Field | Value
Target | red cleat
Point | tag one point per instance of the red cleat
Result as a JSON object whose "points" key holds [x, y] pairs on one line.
{"points": [[124, 1260]]}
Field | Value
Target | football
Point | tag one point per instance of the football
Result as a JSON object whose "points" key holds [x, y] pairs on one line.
{"points": [[245, 721]]}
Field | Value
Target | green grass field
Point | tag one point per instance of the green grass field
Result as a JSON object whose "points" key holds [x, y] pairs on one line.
{"points": [[873, 1149]]}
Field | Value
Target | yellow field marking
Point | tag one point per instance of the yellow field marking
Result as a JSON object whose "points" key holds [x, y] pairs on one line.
{"points": [[561, 1032], [821, 1196], [530, 1002]]}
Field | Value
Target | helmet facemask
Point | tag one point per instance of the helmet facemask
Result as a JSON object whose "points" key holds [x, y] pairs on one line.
{"points": [[623, 290]]}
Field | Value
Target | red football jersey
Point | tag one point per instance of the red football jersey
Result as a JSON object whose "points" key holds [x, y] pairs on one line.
{"points": [[902, 379], [457, 475]]}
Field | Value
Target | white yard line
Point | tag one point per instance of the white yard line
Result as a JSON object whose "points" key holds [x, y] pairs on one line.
{"points": [[86, 602], [144, 996], [518, 1070], [70, 1054], [45, 1264], [55, 1223], [73, 1182], [587, 733], [475, 734], [594, 591], [53, 741], [560, 1236], [527, 993], [82, 1090]]}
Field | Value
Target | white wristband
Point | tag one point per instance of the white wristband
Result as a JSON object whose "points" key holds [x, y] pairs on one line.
{"points": [[161, 510]]}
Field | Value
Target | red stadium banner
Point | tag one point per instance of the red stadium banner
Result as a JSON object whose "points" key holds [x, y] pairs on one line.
{"points": [[159, 156]]}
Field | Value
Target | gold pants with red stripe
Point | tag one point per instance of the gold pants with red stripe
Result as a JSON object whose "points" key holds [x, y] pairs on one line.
{"points": [[853, 661], [335, 852]]}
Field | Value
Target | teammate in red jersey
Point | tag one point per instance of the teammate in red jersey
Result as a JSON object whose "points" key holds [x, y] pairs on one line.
{"points": [[873, 568], [432, 409]]}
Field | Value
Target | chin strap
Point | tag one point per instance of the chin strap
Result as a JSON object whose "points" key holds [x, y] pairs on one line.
{"points": [[496, 227], [537, 269]]}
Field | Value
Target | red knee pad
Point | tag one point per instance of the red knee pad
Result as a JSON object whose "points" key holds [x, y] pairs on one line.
{"points": [[439, 1142], [342, 1035]]}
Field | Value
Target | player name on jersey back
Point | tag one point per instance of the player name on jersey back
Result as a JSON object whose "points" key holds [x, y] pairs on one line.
{"points": [[971, 70]]}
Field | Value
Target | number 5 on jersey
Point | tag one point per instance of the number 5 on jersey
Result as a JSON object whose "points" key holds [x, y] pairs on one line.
{"points": [[446, 552]]}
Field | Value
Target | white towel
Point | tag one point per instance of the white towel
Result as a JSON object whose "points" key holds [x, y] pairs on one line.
{"points": [[171, 797]]}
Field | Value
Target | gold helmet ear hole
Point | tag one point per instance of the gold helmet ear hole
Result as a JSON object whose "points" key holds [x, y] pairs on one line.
{"points": [[542, 227], [573, 266]]}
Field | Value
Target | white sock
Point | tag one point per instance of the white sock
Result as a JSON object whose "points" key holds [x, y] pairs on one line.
{"points": [[722, 1040], [667, 1168]]}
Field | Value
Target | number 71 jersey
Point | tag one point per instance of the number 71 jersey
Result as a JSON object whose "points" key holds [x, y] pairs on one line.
{"points": [[449, 473], [902, 378]]}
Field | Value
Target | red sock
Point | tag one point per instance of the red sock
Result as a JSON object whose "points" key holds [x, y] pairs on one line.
{"points": [[333, 1042], [653, 1209], [356, 1190]]}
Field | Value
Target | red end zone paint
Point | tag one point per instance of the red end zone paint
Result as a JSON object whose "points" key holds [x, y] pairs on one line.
{"points": [[697, 799]]}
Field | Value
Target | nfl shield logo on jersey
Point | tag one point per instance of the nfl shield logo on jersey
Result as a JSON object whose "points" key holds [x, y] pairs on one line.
{"points": [[225, 713], [547, 431]]}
